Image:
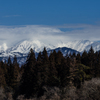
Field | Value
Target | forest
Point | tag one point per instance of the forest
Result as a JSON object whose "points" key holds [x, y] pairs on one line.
{"points": [[53, 77]]}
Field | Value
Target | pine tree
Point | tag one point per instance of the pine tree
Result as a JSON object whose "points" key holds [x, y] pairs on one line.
{"points": [[45, 57], [29, 78], [43, 71], [91, 61], [58, 61], [10, 73], [72, 69], [39, 58], [39, 73], [64, 73], [97, 64], [84, 58], [53, 81], [78, 58], [45, 67], [2, 75], [15, 72]]}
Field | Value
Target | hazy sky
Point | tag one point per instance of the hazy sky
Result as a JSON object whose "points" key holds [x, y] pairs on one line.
{"points": [[49, 20]]}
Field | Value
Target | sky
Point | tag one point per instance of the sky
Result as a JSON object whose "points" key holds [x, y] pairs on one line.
{"points": [[49, 20]]}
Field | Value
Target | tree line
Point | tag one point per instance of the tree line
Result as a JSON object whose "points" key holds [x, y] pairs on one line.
{"points": [[54, 70]]}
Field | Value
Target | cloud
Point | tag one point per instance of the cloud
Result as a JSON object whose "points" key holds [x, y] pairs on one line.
{"points": [[89, 32], [3, 46], [48, 34], [11, 35]]}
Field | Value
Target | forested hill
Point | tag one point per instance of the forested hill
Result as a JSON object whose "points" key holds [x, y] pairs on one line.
{"points": [[54, 70]]}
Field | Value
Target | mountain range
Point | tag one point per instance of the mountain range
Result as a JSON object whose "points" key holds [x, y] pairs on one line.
{"points": [[21, 49]]}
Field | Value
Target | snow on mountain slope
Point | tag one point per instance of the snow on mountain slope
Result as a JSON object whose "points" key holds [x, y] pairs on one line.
{"points": [[21, 59], [25, 46], [76, 45], [21, 49], [95, 45]]}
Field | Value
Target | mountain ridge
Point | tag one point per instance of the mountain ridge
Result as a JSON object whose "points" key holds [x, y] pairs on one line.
{"points": [[22, 49]]}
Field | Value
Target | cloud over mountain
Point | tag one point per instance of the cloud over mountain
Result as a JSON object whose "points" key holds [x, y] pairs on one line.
{"points": [[48, 34]]}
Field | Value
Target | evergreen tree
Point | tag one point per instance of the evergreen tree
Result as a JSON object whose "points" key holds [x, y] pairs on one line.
{"points": [[64, 73], [58, 61], [53, 81], [91, 61], [29, 78], [84, 58], [10, 73], [15, 72], [81, 75], [39, 58], [39, 65], [72, 70], [45, 67], [97, 64], [78, 58], [2, 76], [43, 71], [45, 57]]}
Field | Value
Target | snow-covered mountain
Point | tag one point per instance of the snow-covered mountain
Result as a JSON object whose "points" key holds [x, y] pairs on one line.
{"points": [[80, 45], [25, 46], [95, 45], [21, 49]]}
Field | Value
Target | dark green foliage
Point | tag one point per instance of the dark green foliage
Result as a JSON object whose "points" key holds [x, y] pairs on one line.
{"points": [[91, 58], [15, 73], [81, 75], [78, 58], [91, 61], [42, 71], [29, 77], [43, 67], [53, 80], [84, 58], [97, 65], [2, 75], [53, 71], [10, 73], [64, 73], [58, 64]]}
